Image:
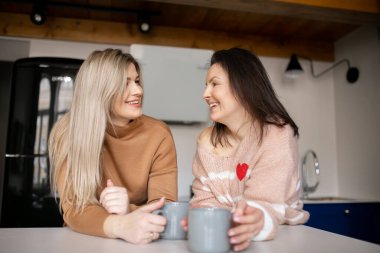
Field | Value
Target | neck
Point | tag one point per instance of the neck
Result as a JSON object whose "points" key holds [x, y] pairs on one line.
{"points": [[239, 129], [242, 131]]}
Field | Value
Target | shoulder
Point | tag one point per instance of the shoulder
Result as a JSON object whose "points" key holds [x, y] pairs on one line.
{"points": [[154, 125], [204, 138], [204, 141], [277, 135], [155, 133], [205, 145]]}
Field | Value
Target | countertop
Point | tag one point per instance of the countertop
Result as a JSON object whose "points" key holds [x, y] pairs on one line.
{"points": [[290, 239]]}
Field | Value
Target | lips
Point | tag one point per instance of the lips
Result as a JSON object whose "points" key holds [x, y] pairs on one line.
{"points": [[135, 102], [212, 105]]}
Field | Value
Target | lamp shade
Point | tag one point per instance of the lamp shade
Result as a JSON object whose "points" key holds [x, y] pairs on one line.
{"points": [[352, 74], [38, 14], [144, 23], [294, 68]]}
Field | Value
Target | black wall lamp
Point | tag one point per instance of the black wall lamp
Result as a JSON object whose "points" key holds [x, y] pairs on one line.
{"points": [[294, 69], [144, 23], [38, 14]]}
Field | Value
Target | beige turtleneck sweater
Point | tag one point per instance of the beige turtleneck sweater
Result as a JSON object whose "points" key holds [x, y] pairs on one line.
{"points": [[140, 157]]}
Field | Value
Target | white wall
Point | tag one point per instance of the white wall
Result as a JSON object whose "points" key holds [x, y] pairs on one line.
{"points": [[358, 115], [185, 137], [309, 101], [13, 49]]}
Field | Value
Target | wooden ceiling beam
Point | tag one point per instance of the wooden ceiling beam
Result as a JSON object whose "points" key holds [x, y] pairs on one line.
{"points": [[19, 25], [359, 12], [366, 6]]}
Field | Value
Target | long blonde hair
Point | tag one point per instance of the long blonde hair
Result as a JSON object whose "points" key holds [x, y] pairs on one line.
{"points": [[76, 140]]}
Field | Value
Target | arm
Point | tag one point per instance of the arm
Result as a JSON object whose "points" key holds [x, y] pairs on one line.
{"points": [[203, 196], [271, 192], [274, 183], [114, 198], [138, 227], [163, 175], [203, 189], [89, 221]]}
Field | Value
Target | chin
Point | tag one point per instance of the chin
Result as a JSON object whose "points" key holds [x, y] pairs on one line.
{"points": [[134, 115], [214, 117]]}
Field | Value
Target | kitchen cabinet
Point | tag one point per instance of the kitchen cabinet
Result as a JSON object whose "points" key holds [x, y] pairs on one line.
{"points": [[174, 82], [360, 220]]}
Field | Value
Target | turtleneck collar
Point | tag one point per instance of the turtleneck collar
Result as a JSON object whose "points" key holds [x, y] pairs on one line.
{"points": [[120, 132]]}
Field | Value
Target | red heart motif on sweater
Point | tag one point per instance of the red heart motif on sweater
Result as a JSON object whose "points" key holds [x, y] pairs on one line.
{"points": [[241, 170]]}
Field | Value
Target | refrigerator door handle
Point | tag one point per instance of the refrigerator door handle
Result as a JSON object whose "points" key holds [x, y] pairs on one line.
{"points": [[25, 156]]}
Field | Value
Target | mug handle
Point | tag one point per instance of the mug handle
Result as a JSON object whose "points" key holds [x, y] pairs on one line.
{"points": [[162, 213], [159, 212]]}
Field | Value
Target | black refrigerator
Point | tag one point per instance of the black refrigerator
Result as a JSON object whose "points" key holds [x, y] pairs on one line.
{"points": [[41, 92]]}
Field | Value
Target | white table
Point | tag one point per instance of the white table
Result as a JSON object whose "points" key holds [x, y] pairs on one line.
{"points": [[290, 239]]}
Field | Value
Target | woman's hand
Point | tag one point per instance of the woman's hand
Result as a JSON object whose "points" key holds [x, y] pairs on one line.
{"points": [[139, 226], [114, 199], [185, 224], [248, 222]]}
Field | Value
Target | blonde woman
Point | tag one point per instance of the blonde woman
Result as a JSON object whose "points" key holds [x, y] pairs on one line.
{"points": [[111, 165]]}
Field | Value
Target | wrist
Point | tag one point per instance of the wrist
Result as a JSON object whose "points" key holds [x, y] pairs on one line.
{"points": [[111, 226]]}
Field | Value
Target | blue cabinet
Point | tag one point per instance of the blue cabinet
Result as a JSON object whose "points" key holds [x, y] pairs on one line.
{"points": [[357, 220]]}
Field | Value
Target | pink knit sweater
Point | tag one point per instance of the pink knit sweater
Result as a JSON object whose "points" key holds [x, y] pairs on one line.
{"points": [[264, 175]]}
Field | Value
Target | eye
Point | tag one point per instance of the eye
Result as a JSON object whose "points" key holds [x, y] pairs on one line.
{"points": [[137, 81], [213, 84]]}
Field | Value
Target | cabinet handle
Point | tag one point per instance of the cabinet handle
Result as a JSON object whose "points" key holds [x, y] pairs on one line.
{"points": [[25, 156], [347, 211]]}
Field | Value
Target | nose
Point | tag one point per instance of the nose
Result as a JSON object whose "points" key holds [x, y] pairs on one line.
{"points": [[207, 92], [136, 89]]}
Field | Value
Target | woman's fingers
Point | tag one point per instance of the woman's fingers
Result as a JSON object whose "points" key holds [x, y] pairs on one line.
{"points": [[156, 219], [242, 246], [121, 196], [251, 215], [248, 222], [240, 208], [185, 224], [153, 206], [113, 192], [115, 200], [242, 236], [151, 225], [109, 183], [155, 228], [242, 233], [115, 206], [251, 222]]}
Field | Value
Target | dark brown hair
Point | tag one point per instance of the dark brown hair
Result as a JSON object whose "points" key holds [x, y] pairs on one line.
{"points": [[251, 86]]}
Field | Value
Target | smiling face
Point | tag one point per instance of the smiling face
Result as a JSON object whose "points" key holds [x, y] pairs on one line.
{"points": [[224, 107], [128, 106]]}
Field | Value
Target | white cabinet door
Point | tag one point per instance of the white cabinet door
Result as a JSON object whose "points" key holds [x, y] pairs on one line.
{"points": [[174, 81]]}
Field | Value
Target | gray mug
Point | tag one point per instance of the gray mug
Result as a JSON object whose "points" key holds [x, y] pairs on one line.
{"points": [[208, 230], [174, 212]]}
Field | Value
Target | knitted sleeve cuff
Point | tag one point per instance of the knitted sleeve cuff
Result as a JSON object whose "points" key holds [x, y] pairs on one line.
{"points": [[269, 225]]}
